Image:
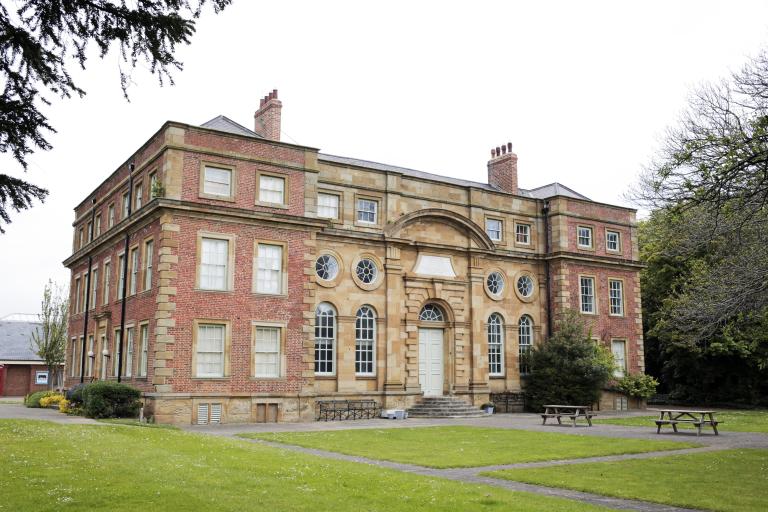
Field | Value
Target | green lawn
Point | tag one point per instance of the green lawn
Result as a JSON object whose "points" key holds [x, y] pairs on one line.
{"points": [[733, 421], [729, 481], [51, 467], [448, 447]]}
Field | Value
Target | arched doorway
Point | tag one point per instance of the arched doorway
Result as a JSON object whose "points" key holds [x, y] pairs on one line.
{"points": [[431, 349]]}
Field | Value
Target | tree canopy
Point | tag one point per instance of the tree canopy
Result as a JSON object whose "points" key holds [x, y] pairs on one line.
{"points": [[41, 39], [49, 340], [705, 288]]}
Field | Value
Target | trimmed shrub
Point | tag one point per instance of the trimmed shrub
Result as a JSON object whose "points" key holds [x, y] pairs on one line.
{"points": [[569, 368], [107, 399], [75, 395], [33, 400], [49, 400], [637, 386]]}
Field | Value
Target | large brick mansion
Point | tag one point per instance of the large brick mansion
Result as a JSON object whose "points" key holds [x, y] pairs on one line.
{"points": [[261, 276]]}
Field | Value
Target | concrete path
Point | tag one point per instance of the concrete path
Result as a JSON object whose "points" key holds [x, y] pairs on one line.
{"points": [[709, 441], [17, 411]]}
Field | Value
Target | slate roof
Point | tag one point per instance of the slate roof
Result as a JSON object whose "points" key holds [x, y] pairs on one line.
{"points": [[404, 170], [551, 190], [555, 189], [225, 124], [15, 339]]}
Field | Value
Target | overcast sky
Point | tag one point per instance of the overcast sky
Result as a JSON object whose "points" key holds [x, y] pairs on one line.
{"points": [[583, 90]]}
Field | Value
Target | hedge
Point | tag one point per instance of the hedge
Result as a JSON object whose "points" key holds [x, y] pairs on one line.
{"points": [[105, 399]]}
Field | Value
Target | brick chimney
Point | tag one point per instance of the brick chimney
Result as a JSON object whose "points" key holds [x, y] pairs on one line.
{"points": [[502, 168], [267, 118]]}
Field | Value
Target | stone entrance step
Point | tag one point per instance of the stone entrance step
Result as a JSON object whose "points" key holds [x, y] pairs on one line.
{"points": [[444, 407]]}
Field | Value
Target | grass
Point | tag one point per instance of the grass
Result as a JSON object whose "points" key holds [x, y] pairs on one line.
{"points": [[449, 447], [136, 423], [50, 467], [728, 481], [732, 421]]}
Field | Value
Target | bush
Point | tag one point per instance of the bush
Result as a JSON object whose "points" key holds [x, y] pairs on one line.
{"points": [[637, 386], [110, 400], [569, 368], [49, 400], [75, 395], [33, 400]]}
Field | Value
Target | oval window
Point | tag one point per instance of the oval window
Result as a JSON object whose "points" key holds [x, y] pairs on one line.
{"points": [[366, 271]]}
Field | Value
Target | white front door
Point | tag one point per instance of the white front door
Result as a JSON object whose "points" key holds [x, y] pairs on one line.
{"points": [[431, 361]]}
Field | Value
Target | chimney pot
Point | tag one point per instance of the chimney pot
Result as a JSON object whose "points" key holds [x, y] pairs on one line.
{"points": [[267, 117], [502, 172]]}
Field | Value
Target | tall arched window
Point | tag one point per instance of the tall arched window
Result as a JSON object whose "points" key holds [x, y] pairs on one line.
{"points": [[365, 340], [495, 345], [325, 339], [525, 341]]}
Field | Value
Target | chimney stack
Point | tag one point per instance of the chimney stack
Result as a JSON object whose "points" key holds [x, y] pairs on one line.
{"points": [[267, 118], [502, 168]]}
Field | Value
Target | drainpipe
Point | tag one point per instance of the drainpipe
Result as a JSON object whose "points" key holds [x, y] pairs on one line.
{"points": [[87, 292], [545, 211], [125, 277]]}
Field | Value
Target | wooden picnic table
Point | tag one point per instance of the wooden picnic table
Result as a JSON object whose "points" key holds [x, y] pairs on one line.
{"points": [[571, 411], [694, 417]]}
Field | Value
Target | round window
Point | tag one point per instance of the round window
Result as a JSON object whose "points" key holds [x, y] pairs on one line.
{"points": [[495, 283], [525, 286], [366, 271], [326, 267]]}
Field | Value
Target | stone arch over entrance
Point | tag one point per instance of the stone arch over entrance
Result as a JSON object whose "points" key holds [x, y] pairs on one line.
{"points": [[436, 332], [475, 232]]}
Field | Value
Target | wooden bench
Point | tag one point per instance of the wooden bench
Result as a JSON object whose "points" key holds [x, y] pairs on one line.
{"points": [[698, 419], [339, 410], [570, 411]]}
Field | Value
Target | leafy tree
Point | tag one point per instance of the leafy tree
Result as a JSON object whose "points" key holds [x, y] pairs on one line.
{"points": [[705, 287], [569, 368], [39, 39], [49, 340]]}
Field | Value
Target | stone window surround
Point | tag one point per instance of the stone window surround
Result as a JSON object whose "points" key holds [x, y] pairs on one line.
{"points": [[535, 281], [368, 196], [595, 298], [379, 271], [231, 238], [505, 290], [282, 358], [618, 233], [137, 343], [530, 233], [227, 346], [368, 375], [331, 282], [283, 273], [591, 246], [286, 189], [340, 195], [502, 227], [144, 260], [623, 297], [232, 182]]}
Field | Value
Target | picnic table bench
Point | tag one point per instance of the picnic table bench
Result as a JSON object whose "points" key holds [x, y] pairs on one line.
{"points": [[571, 411], [696, 418], [336, 410]]}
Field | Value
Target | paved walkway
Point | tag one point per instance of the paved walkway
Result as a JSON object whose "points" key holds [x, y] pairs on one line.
{"points": [[17, 411], [709, 442]]}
